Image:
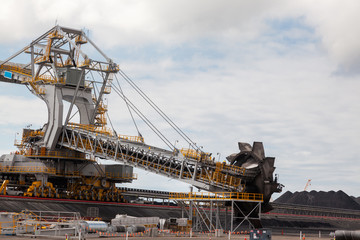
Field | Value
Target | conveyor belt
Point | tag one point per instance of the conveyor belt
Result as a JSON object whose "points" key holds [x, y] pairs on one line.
{"points": [[145, 193], [304, 210], [206, 175]]}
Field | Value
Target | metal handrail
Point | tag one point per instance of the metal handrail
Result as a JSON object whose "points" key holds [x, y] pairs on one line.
{"points": [[206, 196], [105, 131], [197, 155], [31, 169], [27, 72]]}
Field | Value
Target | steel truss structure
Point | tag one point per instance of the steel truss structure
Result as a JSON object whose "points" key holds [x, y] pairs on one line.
{"points": [[211, 213], [205, 175], [59, 69], [48, 223]]}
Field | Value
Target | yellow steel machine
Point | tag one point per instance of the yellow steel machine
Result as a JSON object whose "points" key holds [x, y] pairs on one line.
{"points": [[60, 160]]}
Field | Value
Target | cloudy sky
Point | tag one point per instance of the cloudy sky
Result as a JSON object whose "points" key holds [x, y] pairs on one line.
{"points": [[283, 73]]}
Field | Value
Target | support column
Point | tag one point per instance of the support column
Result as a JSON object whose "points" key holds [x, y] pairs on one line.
{"points": [[32, 62], [195, 171], [232, 216], [260, 212], [191, 213], [197, 218], [182, 210], [226, 215], [211, 210], [217, 216]]}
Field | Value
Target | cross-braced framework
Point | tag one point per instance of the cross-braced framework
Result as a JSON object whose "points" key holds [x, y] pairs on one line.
{"points": [[244, 217], [63, 65], [209, 211], [203, 214], [47, 223], [57, 69], [205, 175]]}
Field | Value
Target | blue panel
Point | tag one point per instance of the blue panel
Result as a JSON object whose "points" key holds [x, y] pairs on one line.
{"points": [[8, 74]]}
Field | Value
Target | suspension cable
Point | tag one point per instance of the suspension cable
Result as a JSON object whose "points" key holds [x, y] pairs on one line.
{"points": [[144, 118], [127, 105], [159, 111]]}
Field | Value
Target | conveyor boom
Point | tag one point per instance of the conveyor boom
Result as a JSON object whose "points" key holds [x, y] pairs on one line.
{"points": [[207, 175]]}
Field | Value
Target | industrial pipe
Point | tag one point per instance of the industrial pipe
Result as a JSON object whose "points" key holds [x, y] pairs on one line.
{"points": [[347, 235]]}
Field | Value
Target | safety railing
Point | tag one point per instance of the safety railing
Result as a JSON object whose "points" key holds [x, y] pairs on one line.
{"points": [[91, 128], [55, 35], [105, 131], [131, 138], [85, 63], [100, 120], [56, 154], [68, 174], [102, 108], [7, 228], [207, 196], [197, 155], [16, 69], [18, 169], [26, 134], [223, 179], [222, 166], [129, 176], [45, 79], [36, 88], [50, 79], [80, 40], [27, 72], [115, 68], [29, 169], [107, 90]]}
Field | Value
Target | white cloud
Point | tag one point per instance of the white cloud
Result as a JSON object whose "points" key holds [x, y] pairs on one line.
{"points": [[123, 23], [291, 103], [335, 23], [21, 111], [114, 23], [224, 73]]}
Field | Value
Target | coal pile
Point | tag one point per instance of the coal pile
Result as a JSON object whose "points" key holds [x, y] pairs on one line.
{"points": [[357, 199], [330, 199]]}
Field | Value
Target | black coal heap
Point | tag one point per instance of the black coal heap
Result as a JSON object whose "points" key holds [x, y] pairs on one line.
{"points": [[357, 199], [330, 199]]}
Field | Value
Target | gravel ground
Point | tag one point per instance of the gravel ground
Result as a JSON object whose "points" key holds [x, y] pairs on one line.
{"points": [[197, 237]]}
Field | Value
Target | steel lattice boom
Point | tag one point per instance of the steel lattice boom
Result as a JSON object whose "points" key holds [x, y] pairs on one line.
{"points": [[204, 174]]}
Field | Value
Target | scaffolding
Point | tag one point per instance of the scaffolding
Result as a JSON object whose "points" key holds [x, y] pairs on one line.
{"points": [[40, 223], [48, 223], [210, 211]]}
